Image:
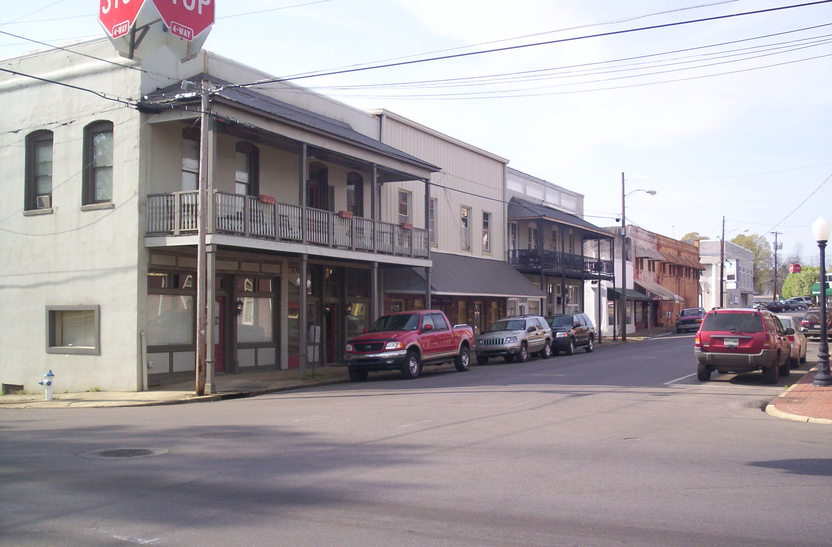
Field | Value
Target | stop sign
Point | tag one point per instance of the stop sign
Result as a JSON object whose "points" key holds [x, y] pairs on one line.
{"points": [[117, 16], [186, 18], [795, 268]]}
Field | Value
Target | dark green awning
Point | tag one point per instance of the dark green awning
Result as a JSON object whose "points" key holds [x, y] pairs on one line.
{"points": [[615, 294]]}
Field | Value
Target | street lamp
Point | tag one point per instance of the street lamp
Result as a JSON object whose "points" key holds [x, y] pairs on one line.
{"points": [[823, 378], [624, 254]]}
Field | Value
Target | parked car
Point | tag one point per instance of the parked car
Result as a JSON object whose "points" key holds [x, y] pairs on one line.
{"points": [[406, 341], [807, 301], [571, 330], [690, 319], [797, 340], [742, 340], [514, 339], [796, 303], [810, 324], [774, 306]]}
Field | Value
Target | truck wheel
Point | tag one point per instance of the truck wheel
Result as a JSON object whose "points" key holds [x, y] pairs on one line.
{"points": [[463, 360], [412, 367], [783, 369], [570, 348], [703, 373], [770, 374], [523, 355], [546, 352], [357, 374], [482, 360], [590, 345]]}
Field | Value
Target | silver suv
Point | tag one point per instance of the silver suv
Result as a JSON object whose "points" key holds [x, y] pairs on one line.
{"points": [[514, 338]]}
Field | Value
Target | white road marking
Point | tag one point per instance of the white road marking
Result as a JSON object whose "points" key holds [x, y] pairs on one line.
{"points": [[680, 379]]}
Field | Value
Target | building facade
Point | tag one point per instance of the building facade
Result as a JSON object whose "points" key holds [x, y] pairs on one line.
{"points": [[737, 274]]}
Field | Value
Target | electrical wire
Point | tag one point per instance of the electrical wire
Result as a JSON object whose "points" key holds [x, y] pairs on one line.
{"points": [[129, 102], [534, 44]]}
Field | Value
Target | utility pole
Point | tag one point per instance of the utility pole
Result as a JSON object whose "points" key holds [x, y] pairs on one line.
{"points": [[202, 256], [623, 265], [722, 266], [776, 246]]}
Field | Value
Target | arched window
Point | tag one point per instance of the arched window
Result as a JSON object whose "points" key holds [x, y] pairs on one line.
{"points": [[98, 163], [246, 173], [355, 194], [38, 190], [317, 188]]}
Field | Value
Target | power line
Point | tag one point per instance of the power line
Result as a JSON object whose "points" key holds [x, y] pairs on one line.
{"points": [[132, 103], [535, 44]]}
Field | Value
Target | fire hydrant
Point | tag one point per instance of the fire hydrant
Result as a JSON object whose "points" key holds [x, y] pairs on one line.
{"points": [[47, 385]]}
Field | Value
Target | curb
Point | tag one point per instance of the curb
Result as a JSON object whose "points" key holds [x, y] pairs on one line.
{"points": [[772, 410]]}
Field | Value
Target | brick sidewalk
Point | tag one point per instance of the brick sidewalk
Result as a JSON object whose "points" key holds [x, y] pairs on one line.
{"points": [[806, 402]]}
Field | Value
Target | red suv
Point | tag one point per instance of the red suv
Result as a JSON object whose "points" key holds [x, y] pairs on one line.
{"points": [[742, 340]]}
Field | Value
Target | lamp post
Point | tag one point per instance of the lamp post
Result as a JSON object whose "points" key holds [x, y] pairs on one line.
{"points": [[624, 254], [823, 378]]}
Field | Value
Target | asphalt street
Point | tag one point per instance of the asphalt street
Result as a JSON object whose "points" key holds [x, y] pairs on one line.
{"points": [[619, 446]]}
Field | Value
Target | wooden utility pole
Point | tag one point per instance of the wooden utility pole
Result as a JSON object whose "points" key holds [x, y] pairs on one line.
{"points": [[722, 266], [202, 259]]}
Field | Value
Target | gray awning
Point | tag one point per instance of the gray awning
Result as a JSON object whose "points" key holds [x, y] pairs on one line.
{"points": [[458, 275], [658, 292], [631, 295], [645, 251]]}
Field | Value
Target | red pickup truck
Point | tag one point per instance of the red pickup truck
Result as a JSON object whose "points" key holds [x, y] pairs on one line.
{"points": [[407, 340]]}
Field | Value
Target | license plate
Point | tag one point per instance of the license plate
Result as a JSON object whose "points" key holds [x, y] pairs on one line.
{"points": [[732, 342]]}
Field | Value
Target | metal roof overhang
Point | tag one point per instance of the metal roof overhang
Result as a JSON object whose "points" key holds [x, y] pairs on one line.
{"points": [[658, 292], [252, 111], [645, 251], [457, 275], [519, 209]]}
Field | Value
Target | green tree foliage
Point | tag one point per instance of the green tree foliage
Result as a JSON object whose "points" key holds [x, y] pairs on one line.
{"points": [[800, 284], [763, 259], [692, 236]]}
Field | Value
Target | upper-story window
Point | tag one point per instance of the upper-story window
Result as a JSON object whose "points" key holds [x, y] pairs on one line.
{"points": [[246, 177], [512, 236], [432, 205], [532, 236], [317, 187], [98, 163], [486, 232], [38, 171], [465, 227], [404, 207], [190, 159], [355, 194], [555, 239]]}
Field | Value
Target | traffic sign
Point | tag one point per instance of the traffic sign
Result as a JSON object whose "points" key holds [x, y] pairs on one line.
{"points": [[186, 19], [795, 268], [117, 16]]}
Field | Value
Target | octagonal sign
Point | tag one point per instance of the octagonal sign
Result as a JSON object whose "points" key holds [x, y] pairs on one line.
{"points": [[117, 16], [186, 19]]}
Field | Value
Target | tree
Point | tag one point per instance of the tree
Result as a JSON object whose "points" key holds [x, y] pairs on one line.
{"points": [[800, 284], [692, 236], [763, 259]]}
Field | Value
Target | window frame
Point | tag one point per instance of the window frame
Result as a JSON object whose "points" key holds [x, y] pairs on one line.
{"points": [[252, 155], [190, 135], [31, 195], [433, 203], [90, 177], [355, 194], [408, 203], [52, 334], [465, 226], [486, 231]]}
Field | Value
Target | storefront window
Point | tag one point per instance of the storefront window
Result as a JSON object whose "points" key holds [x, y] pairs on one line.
{"points": [[255, 323], [170, 320], [356, 318]]}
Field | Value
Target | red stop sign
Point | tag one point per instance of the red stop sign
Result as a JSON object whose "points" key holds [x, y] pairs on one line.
{"points": [[795, 268], [117, 16], [186, 18]]}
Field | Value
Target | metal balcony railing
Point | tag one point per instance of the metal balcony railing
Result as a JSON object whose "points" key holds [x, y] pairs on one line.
{"points": [[249, 216], [554, 262]]}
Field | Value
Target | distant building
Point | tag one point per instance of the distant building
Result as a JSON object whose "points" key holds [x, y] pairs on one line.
{"points": [[738, 275]]}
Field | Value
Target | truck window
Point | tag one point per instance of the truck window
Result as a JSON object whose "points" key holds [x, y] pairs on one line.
{"points": [[399, 321]]}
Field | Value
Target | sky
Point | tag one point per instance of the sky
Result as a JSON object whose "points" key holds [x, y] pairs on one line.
{"points": [[729, 117]]}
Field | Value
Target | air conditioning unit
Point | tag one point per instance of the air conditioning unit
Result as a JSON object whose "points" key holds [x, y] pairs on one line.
{"points": [[43, 201]]}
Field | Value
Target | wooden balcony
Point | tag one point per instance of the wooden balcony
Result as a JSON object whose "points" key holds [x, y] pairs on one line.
{"points": [[249, 216], [549, 262]]}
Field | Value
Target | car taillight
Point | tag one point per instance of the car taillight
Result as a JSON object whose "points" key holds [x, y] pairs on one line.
{"points": [[696, 342], [790, 337], [804, 323]]}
